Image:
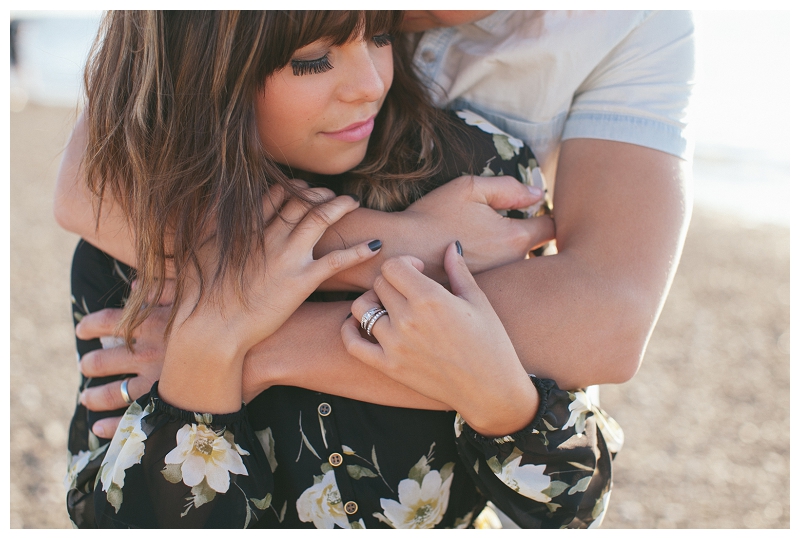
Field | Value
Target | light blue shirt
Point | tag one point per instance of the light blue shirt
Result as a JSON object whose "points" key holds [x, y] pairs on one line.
{"points": [[547, 76]]}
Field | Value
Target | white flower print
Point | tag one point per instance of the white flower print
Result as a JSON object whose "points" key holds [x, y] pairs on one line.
{"points": [[125, 450], [506, 145], [421, 505], [322, 504], [529, 479], [205, 454], [76, 465], [578, 409]]}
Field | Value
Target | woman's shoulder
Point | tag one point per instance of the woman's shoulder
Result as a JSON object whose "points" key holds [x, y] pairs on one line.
{"points": [[495, 152]]}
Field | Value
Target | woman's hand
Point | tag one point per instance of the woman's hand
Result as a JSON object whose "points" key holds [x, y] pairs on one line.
{"points": [[450, 347], [212, 333]]}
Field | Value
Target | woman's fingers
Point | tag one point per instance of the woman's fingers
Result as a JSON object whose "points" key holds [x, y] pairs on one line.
{"points": [[296, 209], [360, 348], [336, 261], [405, 274], [462, 283], [319, 218]]}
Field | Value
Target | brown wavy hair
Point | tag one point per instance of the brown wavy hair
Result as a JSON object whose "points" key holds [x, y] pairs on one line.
{"points": [[173, 138]]}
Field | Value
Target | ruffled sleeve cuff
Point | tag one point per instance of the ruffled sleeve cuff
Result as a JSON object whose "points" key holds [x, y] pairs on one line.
{"points": [[167, 467], [547, 474]]}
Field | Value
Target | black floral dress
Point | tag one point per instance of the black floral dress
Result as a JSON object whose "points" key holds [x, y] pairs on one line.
{"points": [[294, 458]]}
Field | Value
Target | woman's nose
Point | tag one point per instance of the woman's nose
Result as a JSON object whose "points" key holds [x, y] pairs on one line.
{"points": [[364, 80]]}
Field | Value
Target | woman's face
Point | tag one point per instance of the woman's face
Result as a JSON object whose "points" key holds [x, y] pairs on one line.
{"points": [[317, 113]]}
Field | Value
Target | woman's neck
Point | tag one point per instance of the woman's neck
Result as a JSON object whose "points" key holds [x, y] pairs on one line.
{"points": [[332, 182]]}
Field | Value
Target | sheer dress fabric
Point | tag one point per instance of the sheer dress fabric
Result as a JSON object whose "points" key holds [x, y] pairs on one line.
{"points": [[295, 458]]}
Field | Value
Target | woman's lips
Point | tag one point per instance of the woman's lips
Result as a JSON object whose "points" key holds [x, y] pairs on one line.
{"points": [[354, 132]]}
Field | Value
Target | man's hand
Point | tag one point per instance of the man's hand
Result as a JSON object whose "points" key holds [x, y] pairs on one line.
{"points": [[463, 209], [145, 362]]}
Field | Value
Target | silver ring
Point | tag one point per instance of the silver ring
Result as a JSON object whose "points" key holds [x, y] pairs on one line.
{"points": [[373, 320], [124, 390], [367, 316]]}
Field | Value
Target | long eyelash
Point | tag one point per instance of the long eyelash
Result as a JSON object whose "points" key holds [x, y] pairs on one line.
{"points": [[383, 39], [308, 67]]}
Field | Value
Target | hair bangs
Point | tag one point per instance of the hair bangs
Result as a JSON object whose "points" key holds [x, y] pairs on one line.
{"points": [[300, 28]]}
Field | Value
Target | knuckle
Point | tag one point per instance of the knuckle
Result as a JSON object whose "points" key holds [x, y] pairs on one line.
{"points": [[337, 260], [107, 395], [391, 266]]}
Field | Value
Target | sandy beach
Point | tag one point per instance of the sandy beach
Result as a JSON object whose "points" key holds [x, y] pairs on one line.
{"points": [[706, 419]]}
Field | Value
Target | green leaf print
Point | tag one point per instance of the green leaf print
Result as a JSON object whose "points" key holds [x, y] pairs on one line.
{"points": [[447, 470], [494, 465], [172, 473], [357, 472], [114, 497], [504, 147], [262, 503], [555, 488], [581, 485], [202, 494], [420, 470]]}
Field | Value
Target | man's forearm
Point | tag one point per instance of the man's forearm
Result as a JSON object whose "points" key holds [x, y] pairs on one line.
{"points": [[307, 351], [584, 316]]}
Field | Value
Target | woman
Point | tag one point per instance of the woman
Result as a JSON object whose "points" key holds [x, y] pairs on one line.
{"points": [[203, 201]]}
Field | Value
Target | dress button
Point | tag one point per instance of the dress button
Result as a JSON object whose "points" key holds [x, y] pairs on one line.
{"points": [[324, 409], [350, 508], [335, 459], [428, 55]]}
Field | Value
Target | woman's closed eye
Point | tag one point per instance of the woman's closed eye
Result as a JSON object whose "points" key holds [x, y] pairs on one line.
{"points": [[323, 64], [382, 40], [310, 67]]}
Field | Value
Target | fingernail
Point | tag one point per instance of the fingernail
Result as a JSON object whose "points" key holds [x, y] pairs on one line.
{"points": [[374, 245], [459, 250], [348, 316], [99, 432], [535, 191], [354, 197], [82, 399]]}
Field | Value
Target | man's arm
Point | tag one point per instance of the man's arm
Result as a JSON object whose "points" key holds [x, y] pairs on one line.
{"points": [[73, 208], [580, 317], [585, 315]]}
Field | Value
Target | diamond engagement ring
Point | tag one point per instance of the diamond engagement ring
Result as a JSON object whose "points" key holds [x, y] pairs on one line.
{"points": [[373, 320], [367, 316]]}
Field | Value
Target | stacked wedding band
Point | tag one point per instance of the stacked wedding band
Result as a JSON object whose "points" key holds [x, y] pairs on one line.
{"points": [[370, 317]]}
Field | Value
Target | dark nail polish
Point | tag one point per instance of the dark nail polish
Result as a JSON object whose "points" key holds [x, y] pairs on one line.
{"points": [[354, 197], [374, 245], [348, 316], [459, 250]]}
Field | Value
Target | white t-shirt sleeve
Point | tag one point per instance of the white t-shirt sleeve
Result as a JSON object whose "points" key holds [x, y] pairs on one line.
{"points": [[639, 93]]}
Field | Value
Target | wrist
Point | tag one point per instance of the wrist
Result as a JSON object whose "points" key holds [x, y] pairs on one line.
{"points": [[517, 410]]}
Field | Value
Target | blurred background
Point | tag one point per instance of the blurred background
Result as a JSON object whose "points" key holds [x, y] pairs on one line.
{"points": [[706, 419]]}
